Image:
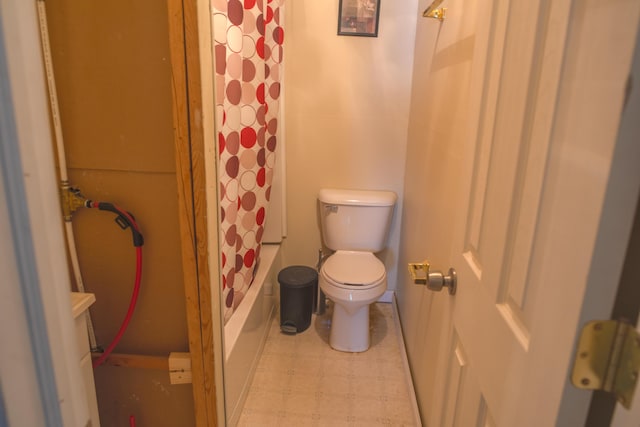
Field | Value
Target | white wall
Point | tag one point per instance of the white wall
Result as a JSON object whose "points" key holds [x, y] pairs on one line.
{"points": [[346, 112]]}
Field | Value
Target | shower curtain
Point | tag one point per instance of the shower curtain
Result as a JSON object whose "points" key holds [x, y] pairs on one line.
{"points": [[248, 38]]}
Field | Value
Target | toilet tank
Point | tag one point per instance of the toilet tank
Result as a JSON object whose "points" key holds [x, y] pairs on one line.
{"points": [[356, 220]]}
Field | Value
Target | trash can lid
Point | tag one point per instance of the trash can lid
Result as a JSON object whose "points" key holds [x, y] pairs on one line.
{"points": [[297, 276]]}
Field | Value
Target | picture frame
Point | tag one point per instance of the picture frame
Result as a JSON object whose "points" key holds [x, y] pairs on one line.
{"points": [[358, 18]]}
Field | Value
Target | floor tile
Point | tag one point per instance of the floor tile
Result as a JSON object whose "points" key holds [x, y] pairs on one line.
{"points": [[301, 381]]}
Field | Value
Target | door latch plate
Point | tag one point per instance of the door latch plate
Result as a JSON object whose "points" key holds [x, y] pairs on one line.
{"points": [[419, 272]]}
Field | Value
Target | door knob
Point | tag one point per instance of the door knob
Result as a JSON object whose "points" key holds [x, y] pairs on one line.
{"points": [[435, 280]]}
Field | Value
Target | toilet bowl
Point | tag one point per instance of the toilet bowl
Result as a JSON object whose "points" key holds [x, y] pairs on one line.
{"points": [[352, 280], [355, 225]]}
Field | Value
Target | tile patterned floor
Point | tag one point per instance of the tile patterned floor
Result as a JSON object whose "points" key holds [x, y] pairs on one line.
{"points": [[301, 381]]}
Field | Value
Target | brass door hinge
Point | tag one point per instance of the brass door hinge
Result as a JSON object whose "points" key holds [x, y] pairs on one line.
{"points": [[608, 359]]}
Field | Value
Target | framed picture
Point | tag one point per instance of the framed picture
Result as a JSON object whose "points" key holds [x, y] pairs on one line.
{"points": [[358, 18]]}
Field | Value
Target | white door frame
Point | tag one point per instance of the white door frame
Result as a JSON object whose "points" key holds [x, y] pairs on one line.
{"points": [[39, 283], [602, 408]]}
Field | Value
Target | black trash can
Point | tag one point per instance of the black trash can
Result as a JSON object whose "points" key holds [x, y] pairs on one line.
{"points": [[298, 286]]}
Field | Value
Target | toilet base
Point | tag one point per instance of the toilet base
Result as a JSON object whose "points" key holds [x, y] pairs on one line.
{"points": [[350, 331]]}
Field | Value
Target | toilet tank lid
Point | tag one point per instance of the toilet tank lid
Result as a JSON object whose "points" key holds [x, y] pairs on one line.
{"points": [[357, 197]]}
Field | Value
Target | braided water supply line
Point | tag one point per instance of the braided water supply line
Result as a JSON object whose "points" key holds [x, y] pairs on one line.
{"points": [[124, 220]]}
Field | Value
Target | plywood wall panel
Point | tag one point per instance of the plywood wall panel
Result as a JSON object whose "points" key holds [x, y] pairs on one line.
{"points": [[128, 392], [107, 259], [112, 67]]}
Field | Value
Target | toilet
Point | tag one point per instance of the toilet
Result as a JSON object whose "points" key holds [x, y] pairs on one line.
{"points": [[354, 225]]}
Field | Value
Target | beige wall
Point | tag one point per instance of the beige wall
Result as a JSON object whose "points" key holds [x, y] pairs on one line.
{"points": [[346, 114], [435, 140]]}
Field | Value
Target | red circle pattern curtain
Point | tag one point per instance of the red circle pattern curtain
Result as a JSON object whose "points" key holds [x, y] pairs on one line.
{"points": [[248, 39]]}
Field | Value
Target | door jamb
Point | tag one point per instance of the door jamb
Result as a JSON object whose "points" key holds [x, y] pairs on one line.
{"points": [[626, 306]]}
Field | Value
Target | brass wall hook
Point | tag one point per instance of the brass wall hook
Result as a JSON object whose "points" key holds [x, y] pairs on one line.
{"points": [[433, 11]]}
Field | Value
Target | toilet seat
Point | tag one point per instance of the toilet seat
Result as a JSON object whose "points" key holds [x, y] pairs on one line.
{"points": [[353, 270]]}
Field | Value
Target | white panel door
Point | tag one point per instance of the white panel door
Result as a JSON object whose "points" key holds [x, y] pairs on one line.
{"points": [[547, 205]]}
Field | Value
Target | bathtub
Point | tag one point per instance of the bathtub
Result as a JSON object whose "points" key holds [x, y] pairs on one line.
{"points": [[245, 333]]}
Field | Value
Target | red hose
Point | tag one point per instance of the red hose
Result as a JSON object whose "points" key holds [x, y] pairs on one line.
{"points": [[132, 304]]}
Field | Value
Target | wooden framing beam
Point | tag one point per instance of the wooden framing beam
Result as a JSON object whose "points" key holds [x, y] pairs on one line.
{"points": [[190, 171]]}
